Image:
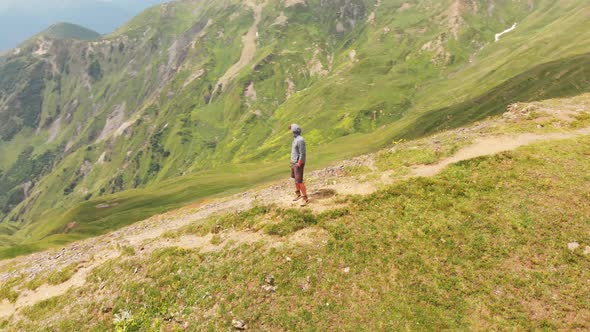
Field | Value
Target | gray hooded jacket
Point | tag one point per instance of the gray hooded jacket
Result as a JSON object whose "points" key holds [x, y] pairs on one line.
{"points": [[298, 151]]}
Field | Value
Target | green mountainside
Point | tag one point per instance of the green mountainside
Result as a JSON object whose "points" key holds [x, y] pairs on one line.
{"points": [[70, 31], [480, 228], [191, 99]]}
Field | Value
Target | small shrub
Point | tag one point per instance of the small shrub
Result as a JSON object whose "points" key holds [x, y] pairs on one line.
{"points": [[7, 292], [35, 283]]}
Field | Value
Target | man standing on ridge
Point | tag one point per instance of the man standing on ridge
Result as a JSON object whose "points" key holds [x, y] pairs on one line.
{"points": [[298, 155]]}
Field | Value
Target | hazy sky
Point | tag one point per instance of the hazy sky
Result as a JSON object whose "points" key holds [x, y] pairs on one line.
{"points": [[21, 19]]}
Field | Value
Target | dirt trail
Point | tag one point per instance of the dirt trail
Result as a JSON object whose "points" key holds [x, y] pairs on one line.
{"points": [[45, 291], [6, 309], [248, 51], [491, 146], [156, 231], [147, 235]]}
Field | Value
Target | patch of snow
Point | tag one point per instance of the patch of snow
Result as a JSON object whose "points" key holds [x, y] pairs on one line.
{"points": [[498, 35]]}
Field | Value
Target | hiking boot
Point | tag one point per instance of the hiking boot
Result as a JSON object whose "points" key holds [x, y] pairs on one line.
{"points": [[297, 196], [305, 201]]}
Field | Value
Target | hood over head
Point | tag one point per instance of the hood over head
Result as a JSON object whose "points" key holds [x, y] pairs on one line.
{"points": [[296, 130]]}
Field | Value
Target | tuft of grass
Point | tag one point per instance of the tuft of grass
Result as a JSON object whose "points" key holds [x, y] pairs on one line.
{"points": [[7, 292], [44, 308], [63, 275], [216, 239], [128, 251], [357, 170], [291, 221], [35, 283]]}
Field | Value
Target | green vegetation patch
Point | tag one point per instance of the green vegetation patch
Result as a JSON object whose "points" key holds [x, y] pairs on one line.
{"points": [[7, 291], [63, 275], [484, 245], [70, 31], [270, 219]]}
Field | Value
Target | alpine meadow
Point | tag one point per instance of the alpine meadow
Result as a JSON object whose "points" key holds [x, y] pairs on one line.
{"points": [[144, 173]]}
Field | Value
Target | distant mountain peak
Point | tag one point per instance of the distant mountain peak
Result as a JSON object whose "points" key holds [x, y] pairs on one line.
{"points": [[64, 30]]}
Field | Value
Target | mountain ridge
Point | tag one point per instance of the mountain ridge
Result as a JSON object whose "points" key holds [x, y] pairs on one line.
{"points": [[64, 30], [497, 156], [158, 132], [26, 18]]}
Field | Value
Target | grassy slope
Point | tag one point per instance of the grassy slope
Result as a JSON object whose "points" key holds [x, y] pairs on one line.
{"points": [[481, 246], [70, 31], [137, 205], [391, 80]]}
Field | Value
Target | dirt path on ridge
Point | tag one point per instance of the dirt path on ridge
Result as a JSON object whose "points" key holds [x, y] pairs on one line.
{"points": [[490, 146], [148, 234]]}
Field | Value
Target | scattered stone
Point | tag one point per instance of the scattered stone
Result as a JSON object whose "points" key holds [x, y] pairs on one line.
{"points": [[346, 270], [573, 246], [60, 254], [288, 259], [498, 291], [269, 288], [270, 284], [306, 285], [239, 324], [586, 250]]}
